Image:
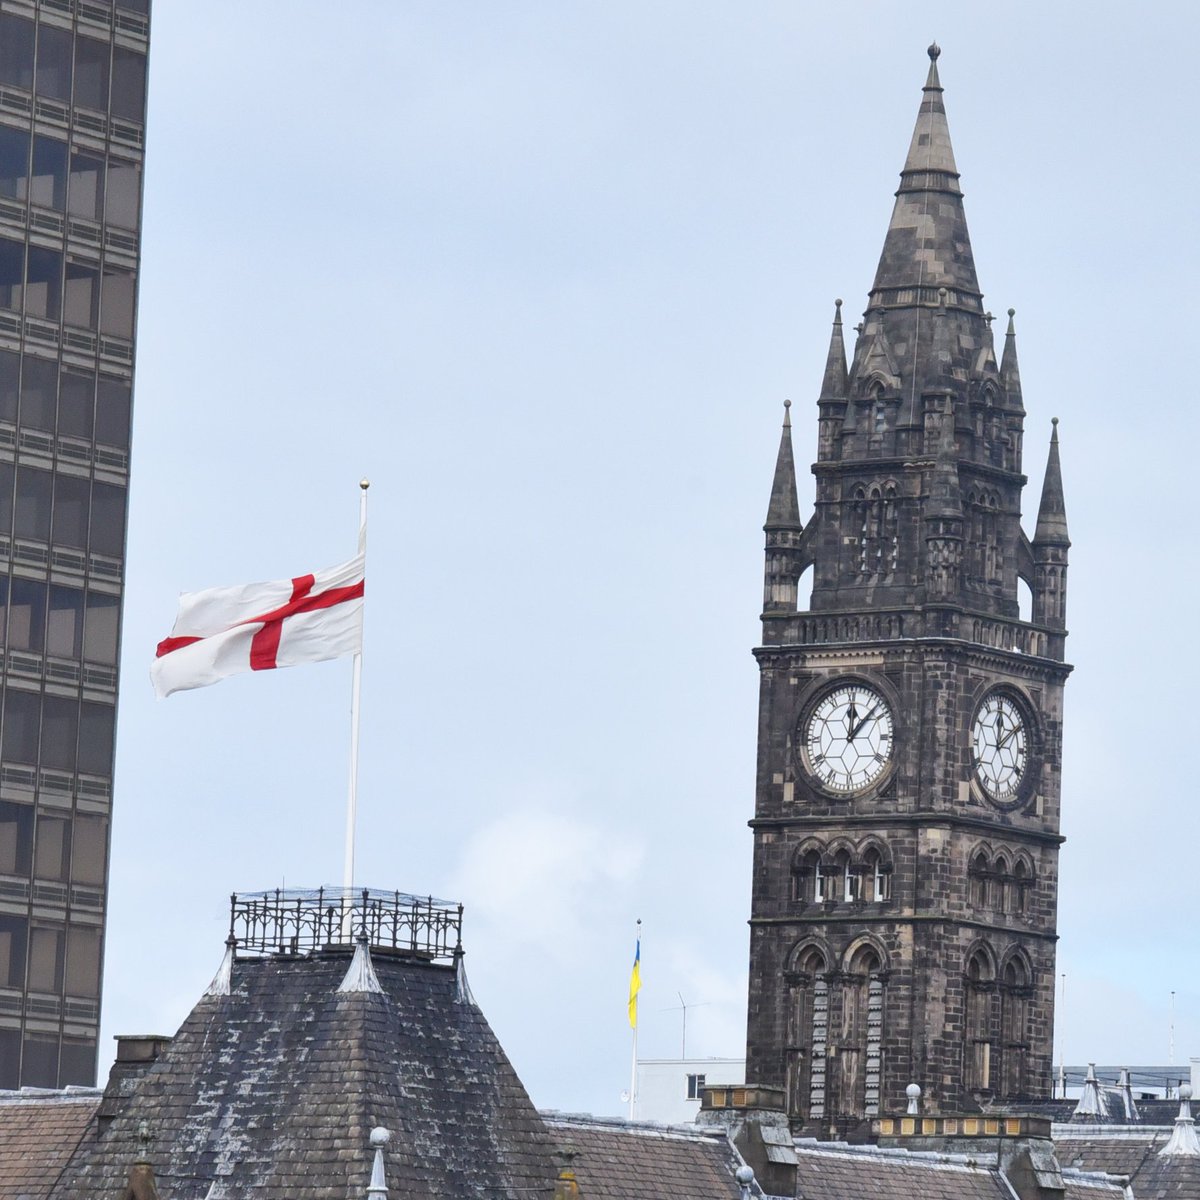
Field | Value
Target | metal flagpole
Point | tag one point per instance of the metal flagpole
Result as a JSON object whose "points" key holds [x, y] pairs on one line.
{"points": [[633, 1071], [356, 691]]}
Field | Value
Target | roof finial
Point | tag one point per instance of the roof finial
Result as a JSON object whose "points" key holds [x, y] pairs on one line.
{"points": [[361, 976], [378, 1185], [913, 1092], [934, 51], [1183, 1140], [787, 414]]}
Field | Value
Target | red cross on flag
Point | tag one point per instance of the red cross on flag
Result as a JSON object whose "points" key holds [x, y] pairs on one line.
{"points": [[260, 626]]}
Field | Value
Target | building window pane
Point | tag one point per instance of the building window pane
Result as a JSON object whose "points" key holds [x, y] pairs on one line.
{"points": [[39, 389], [26, 614], [78, 1062], [95, 738], [128, 84], [7, 472], [121, 197], [48, 184], [82, 295], [100, 628], [108, 519], [83, 963], [64, 621], [116, 303], [16, 51], [53, 854], [71, 512], [20, 734], [33, 504], [76, 398], [91, 73], [60, 727], [14, 163], [43, 289], [54, 63], [45, 959], [10, 385], [138, 6], [86, 186], [12, 273], [112, 412], [14, 936], [39, 1061], [91, 846], [16, 841]]}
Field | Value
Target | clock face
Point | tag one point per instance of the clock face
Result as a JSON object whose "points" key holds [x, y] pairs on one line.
{"points": [[848, 738], [1000, 745]]}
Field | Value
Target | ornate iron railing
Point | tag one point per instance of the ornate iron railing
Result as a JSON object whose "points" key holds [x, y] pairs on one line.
{"points": [[295, 921]]}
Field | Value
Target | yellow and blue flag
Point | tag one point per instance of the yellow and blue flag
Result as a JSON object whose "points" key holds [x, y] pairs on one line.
{"points": [[635, 984]]}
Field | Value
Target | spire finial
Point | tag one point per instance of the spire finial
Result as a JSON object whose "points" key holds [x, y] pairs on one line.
{"points": [[787, 414], [933, 82]]}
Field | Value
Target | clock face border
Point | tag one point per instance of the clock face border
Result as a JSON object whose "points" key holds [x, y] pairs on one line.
{"points": [[883, 726], [1031, 730]]}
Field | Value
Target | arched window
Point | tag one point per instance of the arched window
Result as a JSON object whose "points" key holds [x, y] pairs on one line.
{"points": [[1021, 878], [808, 880], [977, 1026], [877, 878], [977, 875], [861, 1056], [1000, 884], [1015, 991], [844, 882], [807, 1035]]}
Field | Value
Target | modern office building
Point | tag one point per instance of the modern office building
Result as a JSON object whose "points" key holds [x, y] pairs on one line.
{"points": [[72, 110]]}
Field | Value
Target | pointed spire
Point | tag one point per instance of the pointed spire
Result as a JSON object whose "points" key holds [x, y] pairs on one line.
{"points": [[1052, 512], [222, 982], [1090, 1104], [927, 244], [930, 149], [1183, 1140], [833, 385], [784, 509], [361, 976], [1010, 371]]}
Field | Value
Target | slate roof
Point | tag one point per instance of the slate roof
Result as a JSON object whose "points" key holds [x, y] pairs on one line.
{"points": [[272, 1090], [832, 1171], [39, 1131], [1134, 1152], [620, 1160]]}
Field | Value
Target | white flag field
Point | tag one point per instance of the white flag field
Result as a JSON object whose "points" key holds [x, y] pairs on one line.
{"points": [[261, 626]]}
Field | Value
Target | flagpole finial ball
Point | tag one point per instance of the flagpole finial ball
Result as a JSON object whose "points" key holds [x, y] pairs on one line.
{"points": [[364, 484]]}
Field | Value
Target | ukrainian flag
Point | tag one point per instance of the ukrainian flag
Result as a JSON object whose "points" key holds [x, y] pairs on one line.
{"points": [[635, 984]]}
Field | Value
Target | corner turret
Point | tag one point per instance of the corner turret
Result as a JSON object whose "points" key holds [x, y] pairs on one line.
{"points": [[783, 527], [1051, 544]]}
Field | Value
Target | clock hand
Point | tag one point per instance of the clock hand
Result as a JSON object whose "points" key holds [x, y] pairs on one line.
{"points": [[870, 714], [851, 716]]}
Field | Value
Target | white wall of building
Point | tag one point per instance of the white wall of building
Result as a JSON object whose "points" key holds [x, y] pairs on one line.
{"points": [[668, 1089]]}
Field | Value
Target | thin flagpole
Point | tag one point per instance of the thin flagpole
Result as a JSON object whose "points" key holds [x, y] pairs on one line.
{"points": [[633, 1070], [355, 695]]}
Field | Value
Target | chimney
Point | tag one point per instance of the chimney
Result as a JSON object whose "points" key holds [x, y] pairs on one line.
{"points": [[136, 1054]]}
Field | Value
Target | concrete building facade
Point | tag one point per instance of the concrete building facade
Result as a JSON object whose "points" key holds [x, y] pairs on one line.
{"points": [[906, 828], [72, 118]]}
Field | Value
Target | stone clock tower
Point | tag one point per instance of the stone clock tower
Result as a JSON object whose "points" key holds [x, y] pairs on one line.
{"points": [[910, 724]]}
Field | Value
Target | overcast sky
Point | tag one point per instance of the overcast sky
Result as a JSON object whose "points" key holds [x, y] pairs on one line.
{"points": [[545, 272]]}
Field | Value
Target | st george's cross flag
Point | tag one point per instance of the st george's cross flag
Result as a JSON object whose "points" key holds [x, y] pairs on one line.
{"points": [[260, 626]]}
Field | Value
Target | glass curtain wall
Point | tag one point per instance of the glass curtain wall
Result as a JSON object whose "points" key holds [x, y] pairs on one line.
{"points": [[72, 115]]}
